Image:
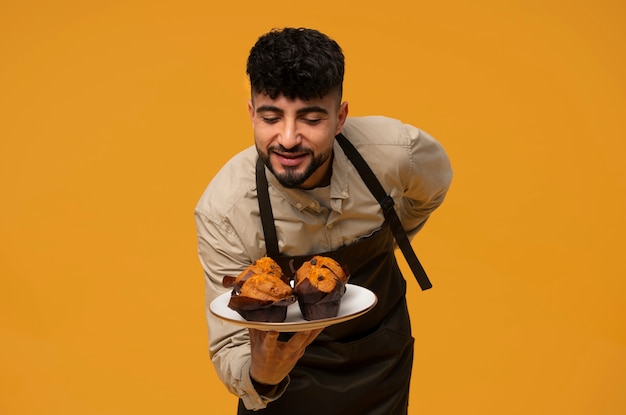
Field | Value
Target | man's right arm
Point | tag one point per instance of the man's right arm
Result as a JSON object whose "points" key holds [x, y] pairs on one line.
{"points": [[221, 253]]}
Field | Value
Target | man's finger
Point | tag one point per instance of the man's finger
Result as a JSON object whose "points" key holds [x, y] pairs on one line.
{"points": [[303, 338], [270, 339]]}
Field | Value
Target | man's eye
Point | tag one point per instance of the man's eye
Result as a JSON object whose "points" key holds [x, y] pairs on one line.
{"points": [[312, 121], [270, 120]]}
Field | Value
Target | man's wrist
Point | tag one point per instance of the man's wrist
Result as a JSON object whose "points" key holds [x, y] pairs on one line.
{"points": [[265, 389]]}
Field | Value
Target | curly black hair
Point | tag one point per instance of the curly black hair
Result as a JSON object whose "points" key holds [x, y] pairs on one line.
{"points": [[297, 63]]}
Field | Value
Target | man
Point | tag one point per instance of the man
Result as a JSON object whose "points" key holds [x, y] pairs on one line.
{"points": [[316, 202]]}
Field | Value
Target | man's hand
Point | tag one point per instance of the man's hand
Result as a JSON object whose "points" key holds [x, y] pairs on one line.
{"points": [[272, 360]]}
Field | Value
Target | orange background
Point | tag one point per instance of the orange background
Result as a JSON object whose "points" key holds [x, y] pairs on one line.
{"points": [[114, 115]]}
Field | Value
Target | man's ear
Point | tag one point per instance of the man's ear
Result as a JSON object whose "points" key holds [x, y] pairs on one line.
{"points": [[251, 110], [342, 115]]}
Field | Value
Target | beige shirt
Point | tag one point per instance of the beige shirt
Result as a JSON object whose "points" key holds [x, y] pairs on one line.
{"points": [[410, 165]]}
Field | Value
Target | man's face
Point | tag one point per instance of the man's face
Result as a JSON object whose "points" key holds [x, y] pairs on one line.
{"points": [[295, 138]]}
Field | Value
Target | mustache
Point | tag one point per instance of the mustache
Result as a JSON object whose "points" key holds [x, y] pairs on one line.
{"points": [[296, 150]]}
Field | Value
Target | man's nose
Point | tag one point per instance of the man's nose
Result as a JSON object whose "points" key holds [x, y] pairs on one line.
{"points": [[289, 137]]}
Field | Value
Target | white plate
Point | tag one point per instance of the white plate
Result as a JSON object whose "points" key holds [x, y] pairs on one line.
{"points": [[355, 302]]}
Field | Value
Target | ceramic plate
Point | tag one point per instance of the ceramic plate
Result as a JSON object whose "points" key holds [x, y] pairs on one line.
{"points": [[355, 302]]}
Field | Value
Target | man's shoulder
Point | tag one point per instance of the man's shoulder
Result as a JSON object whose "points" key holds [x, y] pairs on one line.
{"points": [[230, 185], [376, 129]]}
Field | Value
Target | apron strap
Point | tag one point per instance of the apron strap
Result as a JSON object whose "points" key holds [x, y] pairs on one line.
{"points": [[387, 204], [265, 208]]}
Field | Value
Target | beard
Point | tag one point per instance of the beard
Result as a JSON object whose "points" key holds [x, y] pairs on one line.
{"points": [[291, 178]]}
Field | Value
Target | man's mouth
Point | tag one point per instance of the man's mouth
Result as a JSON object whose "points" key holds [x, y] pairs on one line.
{"points": [[290, 159]]}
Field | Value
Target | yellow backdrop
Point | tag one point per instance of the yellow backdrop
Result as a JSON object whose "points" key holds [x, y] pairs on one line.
{"points": [[114, 115]]}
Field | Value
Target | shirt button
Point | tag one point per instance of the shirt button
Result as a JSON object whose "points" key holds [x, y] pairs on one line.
{"points": [[329, 226], [299, 205]]}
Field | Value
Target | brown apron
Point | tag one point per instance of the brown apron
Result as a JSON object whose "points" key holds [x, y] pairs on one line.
{"points": [[362, 366]]}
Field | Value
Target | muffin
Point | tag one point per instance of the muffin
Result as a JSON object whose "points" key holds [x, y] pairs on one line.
{"points": [[320, 283], [261, 292]]}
